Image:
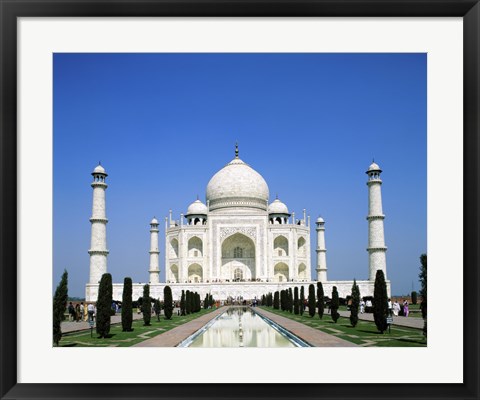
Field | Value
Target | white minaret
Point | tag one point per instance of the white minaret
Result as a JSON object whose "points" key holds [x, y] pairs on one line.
{"points": [[98, 245], [321, 251], [154, 270], [376, 238]]}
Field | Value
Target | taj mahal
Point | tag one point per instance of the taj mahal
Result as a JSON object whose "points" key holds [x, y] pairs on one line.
{"points": [[237, 244]]}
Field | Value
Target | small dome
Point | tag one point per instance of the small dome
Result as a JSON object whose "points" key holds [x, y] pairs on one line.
{"points": [[197, 208], [374, 167], [277, 207], [320, 220], [99, 170], [154, 221]]}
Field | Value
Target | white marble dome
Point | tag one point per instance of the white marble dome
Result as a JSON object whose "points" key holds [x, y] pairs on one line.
{"points": [[320, 220], [237, 185], [99, 170], [374, 167], [197, 208], [277, 207], [154, 221]]}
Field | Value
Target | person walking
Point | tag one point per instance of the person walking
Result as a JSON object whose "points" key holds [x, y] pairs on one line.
{"points": [[82, 309], [77, 312], [91, 312], [405, 308], [71, 312]]}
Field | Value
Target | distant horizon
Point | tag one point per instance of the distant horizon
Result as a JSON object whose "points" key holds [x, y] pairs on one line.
{"points": [[310, 124]]}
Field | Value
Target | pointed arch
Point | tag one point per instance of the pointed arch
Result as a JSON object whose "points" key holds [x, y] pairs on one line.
{"points": [[301, 246], [280, 246], [173, 248], [302, 272], [173, 273], [195, 247], [195, 273], [280, 272]]}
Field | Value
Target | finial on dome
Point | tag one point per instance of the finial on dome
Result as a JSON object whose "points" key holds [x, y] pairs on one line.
{"points": [[236, 149], [276, 196], [197, 197]]}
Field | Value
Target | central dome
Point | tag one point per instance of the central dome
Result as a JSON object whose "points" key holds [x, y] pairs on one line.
{"points": [[237, 185]]}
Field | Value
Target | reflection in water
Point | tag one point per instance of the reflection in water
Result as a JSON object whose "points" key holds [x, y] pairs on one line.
{"points": [[241, 327]]}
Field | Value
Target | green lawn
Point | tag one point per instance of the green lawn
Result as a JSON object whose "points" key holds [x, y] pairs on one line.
{"points": [[124, 339], [364, 334]]}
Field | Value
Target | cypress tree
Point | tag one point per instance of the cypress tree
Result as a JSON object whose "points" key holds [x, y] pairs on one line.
{"points": [[205, 302], [197, 302], [290, 300], [157, 308], [296, 308], [283, 300], [276, 300], [59, 304], [380, 302], [423, 290], [192, 302], [146, 306], [104, 305], [167, 302], [182, 304], [354, 307], [320, 299], [127, 312], [188, 303], [302, 300], [335, 305], [414, 297], [311, 300]]}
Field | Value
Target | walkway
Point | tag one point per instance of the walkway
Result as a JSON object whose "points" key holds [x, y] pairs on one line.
{"points": [[313, 336], [174, 336], [72, 326], [413, 322]]}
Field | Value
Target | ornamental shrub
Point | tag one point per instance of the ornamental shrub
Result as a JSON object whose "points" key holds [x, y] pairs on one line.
{"points": [[296, 303], [146, 305], [355, 305], [311, 300], [380, 302], [59, 304], [320, 299], [104, 306], [302, 300], [183, 304], [334, 305], [127, 312], [167, 302], [276, 300]]}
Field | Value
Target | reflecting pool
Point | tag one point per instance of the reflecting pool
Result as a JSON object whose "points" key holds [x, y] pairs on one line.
{"points": [[242, 327]]}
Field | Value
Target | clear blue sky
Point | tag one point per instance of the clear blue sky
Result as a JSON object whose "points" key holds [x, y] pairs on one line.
{"points": [[163, 124]]}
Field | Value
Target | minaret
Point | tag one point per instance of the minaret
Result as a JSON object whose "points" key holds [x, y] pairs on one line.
{"points": [[98, 245], [154, 270], [321, 251], [376, 238]]}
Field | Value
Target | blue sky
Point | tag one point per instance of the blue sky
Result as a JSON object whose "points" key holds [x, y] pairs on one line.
{"points": [[310, 124]]}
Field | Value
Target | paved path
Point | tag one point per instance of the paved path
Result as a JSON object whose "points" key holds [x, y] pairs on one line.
{"points": [[413, 322], [174, 336], [72, 326], [313, 336]]}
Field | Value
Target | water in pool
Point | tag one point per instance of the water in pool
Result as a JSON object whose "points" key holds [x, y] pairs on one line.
{"points": [[240, 327]]}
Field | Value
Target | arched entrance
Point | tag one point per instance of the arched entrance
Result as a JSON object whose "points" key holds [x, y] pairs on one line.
{"points": [[280, 272], [238, 258], [195, 273]]}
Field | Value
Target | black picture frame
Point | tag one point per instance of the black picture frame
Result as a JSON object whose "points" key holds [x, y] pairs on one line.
{"points": [[10, 10]]}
